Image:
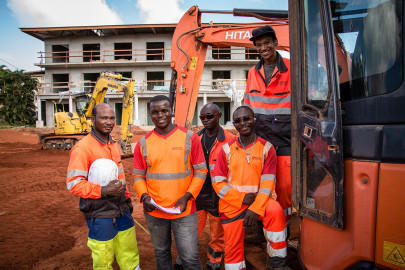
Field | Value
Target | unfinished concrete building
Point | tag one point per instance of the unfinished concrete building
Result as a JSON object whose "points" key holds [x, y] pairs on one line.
{"points": [[74, 57]]}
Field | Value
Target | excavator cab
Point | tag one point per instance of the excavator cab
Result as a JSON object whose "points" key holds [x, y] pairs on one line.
{"points": [[348, 151], [82, 103]]}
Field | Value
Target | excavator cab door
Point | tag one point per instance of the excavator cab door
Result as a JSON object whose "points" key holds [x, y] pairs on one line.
{"points": [[317, 154]]}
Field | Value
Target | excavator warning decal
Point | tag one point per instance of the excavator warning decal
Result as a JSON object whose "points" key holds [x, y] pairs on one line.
{"points": [[193, 63], [394, 253]]}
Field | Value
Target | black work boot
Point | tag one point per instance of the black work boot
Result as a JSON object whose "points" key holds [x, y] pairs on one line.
{"points": [[276, 263], [178, 266]]}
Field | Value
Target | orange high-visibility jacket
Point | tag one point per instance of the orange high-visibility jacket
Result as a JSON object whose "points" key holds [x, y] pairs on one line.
{"points": [[167, 167], [82, 155], [271, 103], [233, 176]]}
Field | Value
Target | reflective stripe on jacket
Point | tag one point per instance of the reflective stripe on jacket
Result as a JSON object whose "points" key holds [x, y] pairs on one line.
{"points": [[233, 176], [93, 198], [167, 167], [208, 198], [271, 103]]}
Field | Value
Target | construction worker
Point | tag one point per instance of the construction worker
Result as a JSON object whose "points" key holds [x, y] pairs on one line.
{"points": [[107, 209], [244, 179], [169, 170], [268, 93], [213, 137]]}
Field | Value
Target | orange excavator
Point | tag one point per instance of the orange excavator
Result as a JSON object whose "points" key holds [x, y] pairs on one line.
{"points": [[189, 47], [348, 121]]}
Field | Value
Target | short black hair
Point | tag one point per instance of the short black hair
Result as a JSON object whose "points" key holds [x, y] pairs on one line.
{"points": [[159, 98], [215, 106], [242, 107], [95, 108]]}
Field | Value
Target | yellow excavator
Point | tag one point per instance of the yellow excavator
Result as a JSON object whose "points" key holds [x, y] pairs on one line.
{"points": [[70, 127]]}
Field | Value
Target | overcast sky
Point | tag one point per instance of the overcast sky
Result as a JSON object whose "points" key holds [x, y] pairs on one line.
{"points": [[19, 50]]}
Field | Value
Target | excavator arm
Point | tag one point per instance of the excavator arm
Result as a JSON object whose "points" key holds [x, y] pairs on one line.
{"points": [[79, 123], [126, 120], [112, 81], [189, 48]]}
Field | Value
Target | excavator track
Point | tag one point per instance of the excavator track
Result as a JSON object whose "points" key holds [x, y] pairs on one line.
{"points": [[59, 142]]}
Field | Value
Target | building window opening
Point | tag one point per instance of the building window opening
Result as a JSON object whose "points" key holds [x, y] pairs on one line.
{"points": [[155, 80], [60, 53], [90, 80], [126, 74], [118, 113], [221, 53], [251, 54], [155, 50], [218, 76], [225, 108], [60, 82], [123, 51], [91, 52]]}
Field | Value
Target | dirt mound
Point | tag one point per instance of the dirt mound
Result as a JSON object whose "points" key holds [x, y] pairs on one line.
{"points": [[38, 131]]}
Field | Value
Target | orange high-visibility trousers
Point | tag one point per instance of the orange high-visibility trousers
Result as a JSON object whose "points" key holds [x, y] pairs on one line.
{"points": [[274, 227], [216, 244], [283, 185]]}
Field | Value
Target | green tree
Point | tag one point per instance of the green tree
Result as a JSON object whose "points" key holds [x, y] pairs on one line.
{"points": [[17, 92]]}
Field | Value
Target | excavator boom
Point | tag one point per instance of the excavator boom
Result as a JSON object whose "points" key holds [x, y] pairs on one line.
{"points": [[189, 48], [70, 127]]}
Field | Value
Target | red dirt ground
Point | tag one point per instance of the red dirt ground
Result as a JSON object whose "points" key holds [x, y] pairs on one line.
{"points": [[41, 225]]}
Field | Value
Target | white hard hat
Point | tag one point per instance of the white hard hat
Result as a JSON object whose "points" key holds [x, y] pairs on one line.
{"points": [[102, 171]]}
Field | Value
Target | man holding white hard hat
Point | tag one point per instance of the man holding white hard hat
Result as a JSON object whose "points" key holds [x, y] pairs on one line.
{"points": [[96, 174]]}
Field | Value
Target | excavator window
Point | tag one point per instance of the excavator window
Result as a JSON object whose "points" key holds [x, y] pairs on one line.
{"points": [[370, 33]]}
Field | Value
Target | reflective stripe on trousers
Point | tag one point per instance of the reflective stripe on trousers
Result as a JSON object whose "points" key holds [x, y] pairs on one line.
{"points": [[216, 244], [275, 230]]}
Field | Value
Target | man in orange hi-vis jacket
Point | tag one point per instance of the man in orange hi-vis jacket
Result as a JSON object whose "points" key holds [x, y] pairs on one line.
{"points": [[169, 170], [107, 209], [213, 137], [268, 93], [244, 179]]}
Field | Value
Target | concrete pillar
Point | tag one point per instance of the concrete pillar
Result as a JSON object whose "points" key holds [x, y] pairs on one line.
{"points": [[70, 102], [39, 122], [136, 111], [205, 98]]}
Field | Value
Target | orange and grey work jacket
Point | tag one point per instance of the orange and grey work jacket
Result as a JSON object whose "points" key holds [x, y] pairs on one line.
{"points": [[234, 176], [167, 167], [208, 198], [93, 198], [271, 103]]}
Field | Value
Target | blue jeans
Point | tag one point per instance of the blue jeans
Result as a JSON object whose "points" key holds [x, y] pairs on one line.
{"points": [[185, 234]]}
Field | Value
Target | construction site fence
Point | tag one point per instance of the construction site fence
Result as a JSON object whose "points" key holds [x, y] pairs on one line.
{"points": [[134, 55], [218, 85]]}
